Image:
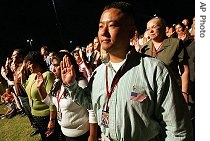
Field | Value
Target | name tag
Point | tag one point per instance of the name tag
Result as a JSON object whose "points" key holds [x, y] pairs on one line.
{"points": [[59, 116], [105, 119]]}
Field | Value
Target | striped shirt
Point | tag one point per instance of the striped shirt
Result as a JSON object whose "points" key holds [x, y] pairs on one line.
{"points": [[145, 103]]}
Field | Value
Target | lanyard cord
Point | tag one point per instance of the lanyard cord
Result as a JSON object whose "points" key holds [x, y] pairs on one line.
{"points": [[59, 98], [116, 79]]}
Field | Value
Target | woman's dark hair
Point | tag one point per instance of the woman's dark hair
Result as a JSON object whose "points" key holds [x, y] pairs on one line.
{"points": [[20, 52], [182, 25], [35, 57]]}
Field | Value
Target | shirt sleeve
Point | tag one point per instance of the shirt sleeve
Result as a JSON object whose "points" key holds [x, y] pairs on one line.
{"points": [[171, 109], [49, 80], [92, 116], [79, 95], [48, 100]]}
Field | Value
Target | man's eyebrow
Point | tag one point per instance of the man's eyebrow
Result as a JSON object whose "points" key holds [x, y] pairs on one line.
{"points": [[109, 21]]}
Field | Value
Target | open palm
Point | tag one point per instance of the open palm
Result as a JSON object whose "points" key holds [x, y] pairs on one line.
{"points": [[67, 71]]}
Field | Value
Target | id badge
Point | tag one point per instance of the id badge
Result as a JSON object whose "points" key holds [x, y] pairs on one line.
{"points": [[105, 119], [59, 115]]}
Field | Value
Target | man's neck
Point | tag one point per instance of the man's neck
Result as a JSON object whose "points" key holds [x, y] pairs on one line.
{"points": [[119, 56], [160, 39]]}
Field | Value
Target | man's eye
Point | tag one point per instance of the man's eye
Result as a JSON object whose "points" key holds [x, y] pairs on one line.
{"points": [[100, 26], [113, 25]]}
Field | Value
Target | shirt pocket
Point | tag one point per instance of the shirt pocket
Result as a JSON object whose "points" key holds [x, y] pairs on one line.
{"points": [[139, 100], [140, 107]]}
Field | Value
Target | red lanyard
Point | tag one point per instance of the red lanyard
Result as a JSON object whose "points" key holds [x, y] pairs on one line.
{"points": [[156, 50], [114, 82], [59, 98]]}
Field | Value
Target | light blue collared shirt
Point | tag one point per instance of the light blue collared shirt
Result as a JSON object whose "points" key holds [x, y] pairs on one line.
{"points": [[155, 108]]}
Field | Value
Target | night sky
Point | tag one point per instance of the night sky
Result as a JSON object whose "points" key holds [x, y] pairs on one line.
{"points": [[71, 20]]}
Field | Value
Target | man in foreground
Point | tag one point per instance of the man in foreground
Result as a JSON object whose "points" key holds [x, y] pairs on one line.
{"points": [[134, 97]]}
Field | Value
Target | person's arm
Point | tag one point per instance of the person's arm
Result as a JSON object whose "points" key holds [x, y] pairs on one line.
{"points": [[45, 97], [8, 64], [137, 45], [184, 69], [79, 95], [39, 83], [93, 126], [9, 111], [185, 82], [4, 73], [51, 123], [93, 132], [88, 71], [7, 72], [171, 109]]}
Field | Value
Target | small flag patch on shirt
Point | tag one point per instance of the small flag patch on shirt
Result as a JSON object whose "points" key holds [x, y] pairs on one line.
{"points": [[138, 97]]}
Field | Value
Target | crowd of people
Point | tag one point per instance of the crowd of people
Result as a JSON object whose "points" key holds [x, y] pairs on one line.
{"points": [[122, 87]]}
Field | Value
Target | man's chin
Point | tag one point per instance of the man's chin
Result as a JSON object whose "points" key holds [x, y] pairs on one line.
{"points": [[107, 47]]}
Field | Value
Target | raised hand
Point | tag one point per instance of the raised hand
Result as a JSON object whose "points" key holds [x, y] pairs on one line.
{"points": [[67, 71], [8, 62]]}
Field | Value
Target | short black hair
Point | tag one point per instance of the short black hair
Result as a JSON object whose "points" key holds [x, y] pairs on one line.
{"points": [[126, 8]]}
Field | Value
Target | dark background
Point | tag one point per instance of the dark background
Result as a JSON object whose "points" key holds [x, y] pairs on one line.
{"points": [[71, 22]]}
